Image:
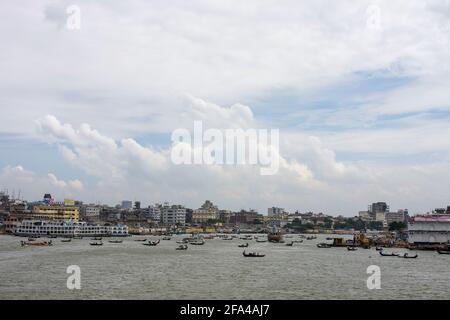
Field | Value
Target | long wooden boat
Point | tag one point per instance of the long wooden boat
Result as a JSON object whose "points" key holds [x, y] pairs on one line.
{"points": [[96, 243], [443, 251], [36, 243], [245, 245]]}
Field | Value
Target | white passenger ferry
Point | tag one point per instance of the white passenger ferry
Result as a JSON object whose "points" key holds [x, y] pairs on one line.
{"points": [[68, 229]]}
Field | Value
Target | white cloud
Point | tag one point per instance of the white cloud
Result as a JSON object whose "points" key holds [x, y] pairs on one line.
{"points": [[33, 186], [126, 71]]}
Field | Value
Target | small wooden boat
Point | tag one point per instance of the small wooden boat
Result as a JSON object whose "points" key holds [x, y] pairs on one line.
{"points": [[245, 245], [36, 243], [329, 239], [31, 239], [393, 254], [53, 236], [440, 251], [379, 249], [66, 240], [78, 237], [97, 239], [260, 240], [311, 238], [96, 243], [182, 247], [115, 241], [407, 256], [298, 241], [151, 243], [352, 248], [141, 240], [253, 254], [290, 244], [323, 245], [166, 238]]}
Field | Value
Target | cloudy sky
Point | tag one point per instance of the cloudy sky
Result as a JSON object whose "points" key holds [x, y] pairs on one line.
{"points": [[358, 89]]}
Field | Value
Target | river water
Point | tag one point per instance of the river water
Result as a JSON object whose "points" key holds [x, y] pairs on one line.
{"points": [[215, 270]]}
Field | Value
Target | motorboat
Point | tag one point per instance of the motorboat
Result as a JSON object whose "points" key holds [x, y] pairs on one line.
{"points": [[393, 254], [152, 243], [253, 254], [407, 256]]}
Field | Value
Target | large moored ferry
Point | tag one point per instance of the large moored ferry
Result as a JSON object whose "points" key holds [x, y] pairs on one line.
{"points": [[68, 229]]}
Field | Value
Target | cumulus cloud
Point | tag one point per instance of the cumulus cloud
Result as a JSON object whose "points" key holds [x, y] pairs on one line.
{"points": [[109, 89], [33, 186]]}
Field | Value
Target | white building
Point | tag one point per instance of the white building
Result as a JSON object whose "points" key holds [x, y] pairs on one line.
{"points": [[173, 215], [91, 211]]}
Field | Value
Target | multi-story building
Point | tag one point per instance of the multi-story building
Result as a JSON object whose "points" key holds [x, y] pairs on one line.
{"points": [[365, 215], [127, 205], [173, 215], [378, 207], [225, 216], [208, 211], [399, 216], [91, 211], [244, 216], [55, 212], [154, 212], [275, 211]]}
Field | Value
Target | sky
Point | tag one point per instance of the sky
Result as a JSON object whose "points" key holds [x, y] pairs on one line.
{"points": [[357, 89]]}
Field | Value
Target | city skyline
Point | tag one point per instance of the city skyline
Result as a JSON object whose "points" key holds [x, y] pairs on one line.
{"points": [[127, 204], [359, 95]]}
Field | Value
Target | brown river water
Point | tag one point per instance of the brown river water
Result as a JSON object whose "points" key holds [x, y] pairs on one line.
{"points": [[215, 270]]}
